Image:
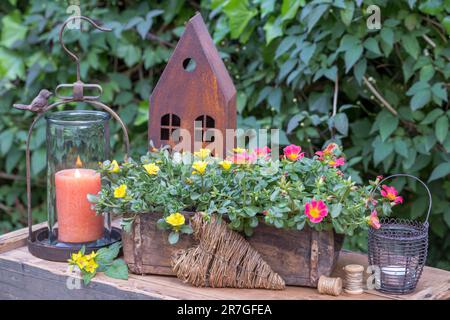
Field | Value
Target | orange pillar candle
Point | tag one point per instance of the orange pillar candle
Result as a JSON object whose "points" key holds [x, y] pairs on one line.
{"points": [[77, 222]]}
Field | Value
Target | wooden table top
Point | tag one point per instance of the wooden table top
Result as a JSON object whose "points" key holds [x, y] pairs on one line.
{"points": [[23, 276]]}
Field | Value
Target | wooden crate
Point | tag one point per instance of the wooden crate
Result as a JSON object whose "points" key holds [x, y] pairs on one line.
{"points": [[299, 257]]}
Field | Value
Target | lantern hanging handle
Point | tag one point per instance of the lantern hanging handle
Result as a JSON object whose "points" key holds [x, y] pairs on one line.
{"points": [[70, 53], [408, 176]]}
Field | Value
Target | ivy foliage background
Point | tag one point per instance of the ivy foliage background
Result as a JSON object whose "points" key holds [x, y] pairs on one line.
{"points": [[312, 68]]}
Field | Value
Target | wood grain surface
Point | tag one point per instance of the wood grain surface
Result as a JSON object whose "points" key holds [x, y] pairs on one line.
{"points": [[23, 276]]}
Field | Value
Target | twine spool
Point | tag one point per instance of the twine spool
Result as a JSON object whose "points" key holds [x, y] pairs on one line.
{"points": [[330, 286], [354, 279]]}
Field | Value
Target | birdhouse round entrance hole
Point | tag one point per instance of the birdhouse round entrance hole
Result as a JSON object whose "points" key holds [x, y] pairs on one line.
{"points": [[189, 64]]}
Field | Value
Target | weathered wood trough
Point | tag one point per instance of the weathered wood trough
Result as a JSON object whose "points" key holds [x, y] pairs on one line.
{"points": [[299, 257]]}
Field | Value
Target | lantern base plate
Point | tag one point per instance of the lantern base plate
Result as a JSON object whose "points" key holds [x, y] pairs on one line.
{"points": [[41, 246]]}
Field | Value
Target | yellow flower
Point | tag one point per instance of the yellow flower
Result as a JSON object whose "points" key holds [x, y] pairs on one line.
{"points": [[91, 256], [91, 266], [78, 259], [175, 219], [114, 167], [203, 153], [120, 191], [226, 164], [84, 262], [151, 168], [238, 150], [199, 167], [75, 257]]}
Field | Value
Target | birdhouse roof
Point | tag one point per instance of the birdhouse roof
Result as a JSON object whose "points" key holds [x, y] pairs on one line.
{"points": [[196, 40]]}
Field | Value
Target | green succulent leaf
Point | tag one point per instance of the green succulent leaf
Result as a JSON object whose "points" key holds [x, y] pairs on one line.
{"points": [[117, 270]]}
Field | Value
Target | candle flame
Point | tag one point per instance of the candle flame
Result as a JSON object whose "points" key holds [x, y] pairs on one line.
{"points": [[77, 173], [78, 163]]}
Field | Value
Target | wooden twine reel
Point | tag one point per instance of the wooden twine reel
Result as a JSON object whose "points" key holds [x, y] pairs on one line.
{"points": [[330, 286], [354, 279]]}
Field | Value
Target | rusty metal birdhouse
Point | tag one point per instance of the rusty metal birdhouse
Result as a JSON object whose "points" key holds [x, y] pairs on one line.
{"points": [[194, 101]]}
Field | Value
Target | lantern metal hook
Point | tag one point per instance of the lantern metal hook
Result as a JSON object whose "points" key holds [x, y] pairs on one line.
{"points": [[70, 53]]}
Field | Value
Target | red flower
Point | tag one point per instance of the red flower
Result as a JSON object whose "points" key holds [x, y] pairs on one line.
{"points": [[293, 152], [373, 220], [391, 194], [320, 154], [336, 162], [316, 210], [242, 158], [328, 151], [329, 148], [327, 155], [262, 151]]}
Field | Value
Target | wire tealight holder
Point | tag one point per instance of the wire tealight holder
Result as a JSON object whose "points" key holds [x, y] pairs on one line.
{"points": [[399, 248]]}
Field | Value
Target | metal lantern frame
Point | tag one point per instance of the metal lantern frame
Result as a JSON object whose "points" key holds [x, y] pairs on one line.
{"points": [[399, 248], [38, 243]]}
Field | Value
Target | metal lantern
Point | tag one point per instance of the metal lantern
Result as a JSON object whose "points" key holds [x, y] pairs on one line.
{"points": [[76, 141], [399, 248]]}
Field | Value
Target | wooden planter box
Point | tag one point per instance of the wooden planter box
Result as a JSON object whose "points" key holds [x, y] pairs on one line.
{"points": [[299, 257]]}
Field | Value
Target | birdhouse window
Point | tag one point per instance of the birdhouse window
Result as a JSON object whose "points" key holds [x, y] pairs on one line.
{"points": [[169, 123], [202, 124]]}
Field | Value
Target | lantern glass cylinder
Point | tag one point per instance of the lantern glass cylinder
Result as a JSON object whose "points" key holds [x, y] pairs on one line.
{"points": [[76, 142]]}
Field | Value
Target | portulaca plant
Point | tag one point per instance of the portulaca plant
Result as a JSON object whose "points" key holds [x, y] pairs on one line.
{"points": [[248, 187]]}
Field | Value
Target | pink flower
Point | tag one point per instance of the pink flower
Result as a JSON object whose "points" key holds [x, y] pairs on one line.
{"points": [[328, 151], [242, 158], [336, 162], [391, 194], [373, 220], [316, 210], [293, 152], [262, 152], [329, 148], [379, 178], [320, 154]]}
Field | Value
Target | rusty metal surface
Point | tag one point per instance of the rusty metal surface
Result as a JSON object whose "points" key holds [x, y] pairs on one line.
{"points": [[70, 53], [190, 93], [40, 247]]}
